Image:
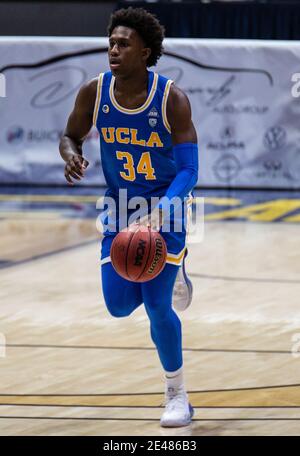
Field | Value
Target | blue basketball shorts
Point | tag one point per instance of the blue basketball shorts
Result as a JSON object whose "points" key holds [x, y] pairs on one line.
{"points": [[174, 230]]}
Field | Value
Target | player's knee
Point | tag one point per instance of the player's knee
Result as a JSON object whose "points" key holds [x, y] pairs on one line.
{"points": [[117, 312], [116, 309], [158, 309]]}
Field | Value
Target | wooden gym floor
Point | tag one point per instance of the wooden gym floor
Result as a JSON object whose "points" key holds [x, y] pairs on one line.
{"points": [[68, 368]]}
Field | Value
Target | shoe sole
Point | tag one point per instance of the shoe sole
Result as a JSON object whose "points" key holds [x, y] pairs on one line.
{"points": [[189, 285], [188, 282]]}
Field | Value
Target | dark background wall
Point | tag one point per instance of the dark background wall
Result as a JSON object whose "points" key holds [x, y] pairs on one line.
{"points": [[253, 19], [70, 18], [239, 19]]}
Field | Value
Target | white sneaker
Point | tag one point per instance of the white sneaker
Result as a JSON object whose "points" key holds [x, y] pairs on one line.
{"points": [[183, 289], [178, 411]]}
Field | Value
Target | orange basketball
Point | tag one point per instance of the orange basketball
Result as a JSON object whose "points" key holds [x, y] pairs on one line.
{"points": [[138, 253]]}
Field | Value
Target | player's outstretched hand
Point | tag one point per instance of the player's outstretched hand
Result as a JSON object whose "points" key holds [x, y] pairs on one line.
{"points": [[75, 168]]}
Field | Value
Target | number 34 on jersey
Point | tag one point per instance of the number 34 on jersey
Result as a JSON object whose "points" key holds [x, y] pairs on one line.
{"points": [[144, 166]]}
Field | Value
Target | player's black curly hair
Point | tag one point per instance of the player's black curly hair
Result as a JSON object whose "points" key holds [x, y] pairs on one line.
{"points": [[145, 24]]}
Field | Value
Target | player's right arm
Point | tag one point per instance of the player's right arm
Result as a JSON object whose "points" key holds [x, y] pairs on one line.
{"points": [[78, 126]]}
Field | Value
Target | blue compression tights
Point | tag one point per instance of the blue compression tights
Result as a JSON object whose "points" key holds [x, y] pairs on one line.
{"points": [[123, 297]]}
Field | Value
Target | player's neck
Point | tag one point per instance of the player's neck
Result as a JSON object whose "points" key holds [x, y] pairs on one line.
{"points": [[132, 84]]}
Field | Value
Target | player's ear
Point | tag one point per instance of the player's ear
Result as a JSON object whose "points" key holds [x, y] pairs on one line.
{"points": [[146, 52]]}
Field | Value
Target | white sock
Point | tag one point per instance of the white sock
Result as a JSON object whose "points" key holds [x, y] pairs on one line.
{"points": [[174, 380]]}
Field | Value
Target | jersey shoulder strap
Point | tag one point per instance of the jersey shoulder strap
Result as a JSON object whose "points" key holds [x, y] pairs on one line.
{"points": [[163, 90], [102, 89]]}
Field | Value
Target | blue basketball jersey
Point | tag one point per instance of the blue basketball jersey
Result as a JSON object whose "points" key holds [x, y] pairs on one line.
{"points": [[136, 148]]}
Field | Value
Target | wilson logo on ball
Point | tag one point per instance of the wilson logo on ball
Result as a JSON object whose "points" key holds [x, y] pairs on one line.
{"points": [[140, 252], [157, 256]]}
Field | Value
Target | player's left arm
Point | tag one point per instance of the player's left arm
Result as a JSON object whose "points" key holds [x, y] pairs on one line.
{"points": [[179, 116], [185, 148]]}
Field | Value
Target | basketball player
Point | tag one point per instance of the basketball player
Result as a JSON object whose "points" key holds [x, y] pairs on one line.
{"points": [[148, 147]]}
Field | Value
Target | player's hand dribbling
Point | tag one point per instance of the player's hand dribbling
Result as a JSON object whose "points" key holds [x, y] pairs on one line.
{"points": [[75, 168], [154, 219]]}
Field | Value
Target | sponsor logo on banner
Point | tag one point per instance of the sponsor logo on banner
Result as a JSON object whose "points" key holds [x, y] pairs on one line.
{"points": [[44, 135], [15, 135], [271, 169], [272, 165], [241, 109], [227, 133], [214, 95], [227, 141], [275, 137], [217, 94], [227, 167]]}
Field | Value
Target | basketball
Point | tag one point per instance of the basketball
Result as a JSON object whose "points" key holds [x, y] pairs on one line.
{"points": [[138, 253]]}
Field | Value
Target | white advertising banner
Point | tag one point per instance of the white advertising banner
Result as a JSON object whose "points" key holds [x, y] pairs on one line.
{"points": [[244, 96]]}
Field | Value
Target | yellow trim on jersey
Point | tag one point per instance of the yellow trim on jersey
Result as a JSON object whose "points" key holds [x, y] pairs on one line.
{"points": [[137, 110], [98, 98], [171, 258], [164, 105], [176, 258]]}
